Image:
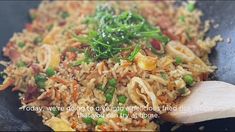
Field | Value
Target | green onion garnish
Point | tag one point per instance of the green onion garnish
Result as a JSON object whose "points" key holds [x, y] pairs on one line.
{"points": [[134, 53]]}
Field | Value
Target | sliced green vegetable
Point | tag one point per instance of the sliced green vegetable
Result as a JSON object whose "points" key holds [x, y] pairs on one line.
{"points": [[191, 6], [188, 79], [178, 60], [88, 120], [50, 71], [134, 52], [55, 111], [100, 121], [122, 99], [21, 44], [3, 75]]}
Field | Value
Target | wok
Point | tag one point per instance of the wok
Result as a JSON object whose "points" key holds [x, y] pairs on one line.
{"points": [[14, 14]]}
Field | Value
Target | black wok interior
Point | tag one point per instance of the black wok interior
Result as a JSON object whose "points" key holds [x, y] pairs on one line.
{"points": [[14, 14]]}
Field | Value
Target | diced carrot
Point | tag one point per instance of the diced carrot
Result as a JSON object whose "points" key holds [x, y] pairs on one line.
{"points": [[162, 98], [102, 128], [60, 80], [116, 119], [74, 124], [70, 55], [75, 90], [203, 76], [142, 123]]}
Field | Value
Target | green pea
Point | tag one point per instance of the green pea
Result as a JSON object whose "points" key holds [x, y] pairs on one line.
{"points": [[108, 97], [178, 60], [21, 64], [37, 40], [113, 82], [100, 121], [122, 99], [21, 44], [40, 81], [50, 72], [88, 120], [123, 113], [41, 84], [55, 111], [188, 79]]}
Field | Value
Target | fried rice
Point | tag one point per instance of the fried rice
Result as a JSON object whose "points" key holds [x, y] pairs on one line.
{"points": [[52, 70]]}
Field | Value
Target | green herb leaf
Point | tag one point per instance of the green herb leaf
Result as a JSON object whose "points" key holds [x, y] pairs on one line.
{"points": [[111, 31], [134, 52]]}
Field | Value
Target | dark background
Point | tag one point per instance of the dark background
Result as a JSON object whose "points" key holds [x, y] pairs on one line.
{"points": [[14, 14]]}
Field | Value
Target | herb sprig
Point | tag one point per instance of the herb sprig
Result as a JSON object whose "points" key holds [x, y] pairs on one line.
{"points": [[111, 33]]}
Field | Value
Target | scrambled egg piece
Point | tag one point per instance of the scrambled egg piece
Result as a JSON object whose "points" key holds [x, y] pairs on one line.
{"points": [[146, 62], [58, 124]]}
